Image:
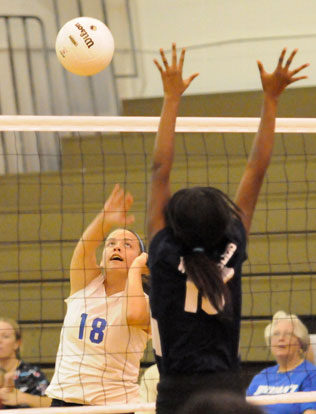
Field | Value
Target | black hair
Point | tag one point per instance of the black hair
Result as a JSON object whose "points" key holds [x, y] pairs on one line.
{"points": [[200, 219], [222, 402]]}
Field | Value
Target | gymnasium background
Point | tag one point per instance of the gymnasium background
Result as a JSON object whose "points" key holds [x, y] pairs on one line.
{"points": [[51, 185]]}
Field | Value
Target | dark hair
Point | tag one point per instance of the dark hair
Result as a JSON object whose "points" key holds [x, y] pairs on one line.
{"points": [[200, 219], [219, 403]]}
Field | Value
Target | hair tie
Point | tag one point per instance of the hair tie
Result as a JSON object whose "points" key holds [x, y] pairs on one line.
{"points": [[198, 249]]}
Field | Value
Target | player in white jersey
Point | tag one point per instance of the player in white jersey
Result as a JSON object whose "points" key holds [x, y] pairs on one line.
{"points": [[105, 330]]}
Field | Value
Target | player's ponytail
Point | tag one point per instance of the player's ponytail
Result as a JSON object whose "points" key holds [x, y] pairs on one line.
{"points": [[207, 277], [200, 219]]}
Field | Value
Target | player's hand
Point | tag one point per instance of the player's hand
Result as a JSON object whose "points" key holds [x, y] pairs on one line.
{"points": [[117, 206], [274, 83], [140, 262], [173, 83]]}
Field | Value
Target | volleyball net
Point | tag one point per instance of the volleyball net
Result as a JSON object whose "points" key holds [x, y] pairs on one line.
{"points": [[44, 213]]}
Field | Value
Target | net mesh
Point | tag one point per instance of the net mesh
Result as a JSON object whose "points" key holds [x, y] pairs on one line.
{"points": [[44, 213]]}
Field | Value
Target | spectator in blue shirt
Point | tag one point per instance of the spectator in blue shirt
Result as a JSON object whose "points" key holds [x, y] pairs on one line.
{"points": [[288, 340]]}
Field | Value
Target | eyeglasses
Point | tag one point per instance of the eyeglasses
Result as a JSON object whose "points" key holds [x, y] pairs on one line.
{"points": [[277, 334]]}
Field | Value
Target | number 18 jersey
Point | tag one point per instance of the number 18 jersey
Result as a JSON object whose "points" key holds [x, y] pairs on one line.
{"points": [[99, 354]]}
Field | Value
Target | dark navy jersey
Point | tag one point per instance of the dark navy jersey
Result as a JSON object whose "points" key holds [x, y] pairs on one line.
{"points": [[188, 334]]}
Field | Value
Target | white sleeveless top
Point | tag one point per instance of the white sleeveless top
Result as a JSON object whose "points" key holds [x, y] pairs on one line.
{"points": [[99, 355]]}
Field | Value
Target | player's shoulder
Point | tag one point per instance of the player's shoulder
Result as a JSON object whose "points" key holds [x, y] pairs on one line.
{"points": [[162, 238], [163, 246], [238, 231]]}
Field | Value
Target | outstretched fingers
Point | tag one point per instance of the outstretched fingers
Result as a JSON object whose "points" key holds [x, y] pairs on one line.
{"points": [[190, 78], [173, 59], [174, 55], [158, 65], [164, 59], [260, 67], [289, 61], [181, 59], [292, 80], [113, 194], [295, 71], [128, 201], [281, 58]]}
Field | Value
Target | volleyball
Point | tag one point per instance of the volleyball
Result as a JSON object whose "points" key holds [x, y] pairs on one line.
{"points": [[84, 46]]}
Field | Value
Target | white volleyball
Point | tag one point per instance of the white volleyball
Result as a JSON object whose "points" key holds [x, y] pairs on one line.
{"points": [[84, 46]]}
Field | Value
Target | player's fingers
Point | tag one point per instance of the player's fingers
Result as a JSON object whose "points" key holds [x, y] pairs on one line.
{"points": [[158, 65], [292, 80], [174, 55], [130, 219], [289, 61], [260, 67], [190, 78], [115, 190], [164, 59], [295, 71], [119, 198], [113, 194], [181, 60], [281, 58], [128, 201]]}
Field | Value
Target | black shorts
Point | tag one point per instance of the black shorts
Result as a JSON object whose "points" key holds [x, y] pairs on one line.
{"points": [[61, 403], [175, 391]]}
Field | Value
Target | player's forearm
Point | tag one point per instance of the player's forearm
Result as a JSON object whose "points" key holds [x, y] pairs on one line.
{"points": [[262, 147], [164, 143], [93, 236], [137, 312]]}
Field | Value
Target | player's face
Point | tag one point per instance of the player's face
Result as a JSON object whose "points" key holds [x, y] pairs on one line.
{"points": [[283, 341], [121, 248], [8, 342]]}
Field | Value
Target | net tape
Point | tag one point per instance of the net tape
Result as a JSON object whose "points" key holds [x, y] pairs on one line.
{"points": [[148, 124]]}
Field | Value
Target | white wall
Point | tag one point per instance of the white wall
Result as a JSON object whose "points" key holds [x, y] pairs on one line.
{"points": [[224, 38], [253, 29]]}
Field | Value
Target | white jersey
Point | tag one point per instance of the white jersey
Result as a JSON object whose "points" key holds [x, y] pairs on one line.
{"points": [[99, 354]]}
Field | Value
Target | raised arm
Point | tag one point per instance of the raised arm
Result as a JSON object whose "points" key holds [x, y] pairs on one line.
{"points": [[273, 85], [84, 267], [137, 312], [174, 86]]}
